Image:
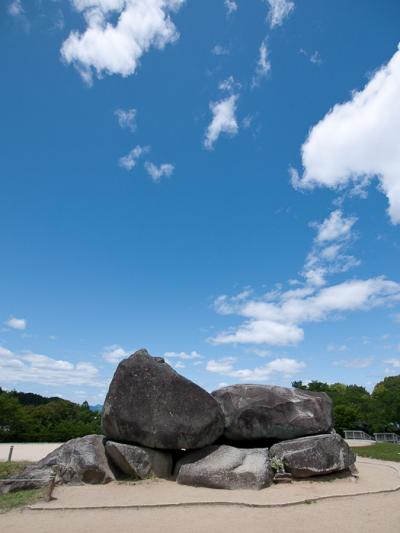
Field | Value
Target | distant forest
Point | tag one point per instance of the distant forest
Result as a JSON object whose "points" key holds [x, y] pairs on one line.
{"points": [[28, 417], [355, 408]]}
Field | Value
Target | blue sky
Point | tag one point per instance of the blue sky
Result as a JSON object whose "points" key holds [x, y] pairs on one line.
{"points": [[215, 181]]}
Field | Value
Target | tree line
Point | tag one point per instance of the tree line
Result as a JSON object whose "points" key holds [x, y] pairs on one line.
{"points": [[28, 417], [355, 408]]}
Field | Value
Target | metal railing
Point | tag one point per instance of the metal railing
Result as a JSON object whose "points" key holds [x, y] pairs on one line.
{"points": [[387, 437], [357, 435]]}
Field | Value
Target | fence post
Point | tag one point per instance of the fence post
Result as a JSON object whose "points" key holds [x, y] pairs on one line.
{"points": [[10, 453], [50, 488]]}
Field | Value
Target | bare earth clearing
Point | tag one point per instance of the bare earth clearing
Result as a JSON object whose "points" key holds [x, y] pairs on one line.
{"points": [[27, 451], [155, 506]]}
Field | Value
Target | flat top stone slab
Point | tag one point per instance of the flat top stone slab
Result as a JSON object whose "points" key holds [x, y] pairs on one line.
{"points": [[269, 412]]}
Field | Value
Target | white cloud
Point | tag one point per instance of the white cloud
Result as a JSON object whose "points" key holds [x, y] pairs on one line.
{"points": [[223, 120], [41, 369], [316, 58], [278, 11], [231, 6], [335, 227], [15, 8], [179, 364], [128, 162], [156, 173], [5, 352], [328, 251], [278, 322], [358, 362], [358, 140], [188, 356], [114, 353], [220, 50], [126, 118], [16, 323], [107, 48], [229, 85], [335, 348], [394, 362], [225, 367], [263, 65]]}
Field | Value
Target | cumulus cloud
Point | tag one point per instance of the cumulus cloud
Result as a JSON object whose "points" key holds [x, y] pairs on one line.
{"points": [[187, 356], [335, 227], [156, 173], [114, 353], [328, 253], [358, 362], [277, 321], [126, 118], [225, 367], [263, 65], [16, 323], [128, 161], [358, 140], [220, 50], [278, 11], [15, 8], [223, 120], [41, 369], [107, 48], [395, 363], [276, 318], [231, 6]]}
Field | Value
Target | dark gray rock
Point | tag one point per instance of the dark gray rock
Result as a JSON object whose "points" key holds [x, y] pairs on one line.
{"points": [[225, 467], [138, 461], [150, 404], [314, 456], [81, 460], [268, 412]]}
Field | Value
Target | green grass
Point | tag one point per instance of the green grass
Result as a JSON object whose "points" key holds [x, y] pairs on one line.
{"points": [[20, 498], [385, 451]]}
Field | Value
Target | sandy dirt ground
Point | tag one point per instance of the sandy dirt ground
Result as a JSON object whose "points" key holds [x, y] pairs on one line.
{"points": [[374, 476], [360, 442], [367, 514], [27, 451], [122, 508]]}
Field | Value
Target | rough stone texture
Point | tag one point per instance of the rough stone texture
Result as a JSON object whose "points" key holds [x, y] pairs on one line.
{"points": [[225, 467], [269, 412], [314, 456], [138, 461], [150, 404], [81, 460]]}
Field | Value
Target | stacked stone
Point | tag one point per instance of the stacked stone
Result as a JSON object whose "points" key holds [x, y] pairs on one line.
{"points": [[158, 423]]}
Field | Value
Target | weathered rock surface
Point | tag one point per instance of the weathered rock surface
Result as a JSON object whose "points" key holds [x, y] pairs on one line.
{"points": [[225, 467], [138, 461], [314, 456], [150, 404], [268, 412], [81, 460]]}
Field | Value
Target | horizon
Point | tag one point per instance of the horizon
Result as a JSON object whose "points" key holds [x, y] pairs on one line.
{"points": [[221, 186]]}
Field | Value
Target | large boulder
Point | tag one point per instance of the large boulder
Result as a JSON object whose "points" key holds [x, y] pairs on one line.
{"points": [[81, 460], [225, 467], [150, 404], [268, 412], [314, 456], [138, 461]]}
